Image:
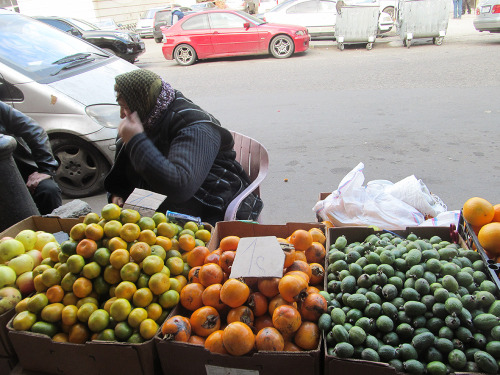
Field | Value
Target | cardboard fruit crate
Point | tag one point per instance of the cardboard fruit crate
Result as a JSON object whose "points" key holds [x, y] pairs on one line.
{"points": [[179, 357]]}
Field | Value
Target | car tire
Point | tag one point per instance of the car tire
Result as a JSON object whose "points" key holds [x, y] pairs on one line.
{"points": [[390, 11], [282, 46], [82, 167], [185, 55], [158, 40]]}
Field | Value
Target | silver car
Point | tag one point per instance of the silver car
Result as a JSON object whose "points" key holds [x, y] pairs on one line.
{"points": [[488, 16], [67, 86]]}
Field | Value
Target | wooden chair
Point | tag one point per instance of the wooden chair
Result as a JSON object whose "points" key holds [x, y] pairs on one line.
{"points": [[254, 159]]}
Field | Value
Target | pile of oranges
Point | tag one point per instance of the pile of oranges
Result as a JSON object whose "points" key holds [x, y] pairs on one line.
{"points": [[238, 316], [484, 218], [115, 279]]}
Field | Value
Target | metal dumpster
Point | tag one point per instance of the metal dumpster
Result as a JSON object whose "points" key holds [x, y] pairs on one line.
{"points": [[422, 19], [356, 24]]}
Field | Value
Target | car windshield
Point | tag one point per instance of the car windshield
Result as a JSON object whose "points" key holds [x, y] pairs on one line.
{"points": [[84, 25], [32, 47], [255, 20], [284, 4]]}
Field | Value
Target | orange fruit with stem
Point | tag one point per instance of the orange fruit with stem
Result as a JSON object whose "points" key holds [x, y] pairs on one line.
{"points": [[478, 211]]}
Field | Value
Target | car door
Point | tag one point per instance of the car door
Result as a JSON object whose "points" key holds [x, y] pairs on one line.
{"points": [[197, 31], [230, 36]]}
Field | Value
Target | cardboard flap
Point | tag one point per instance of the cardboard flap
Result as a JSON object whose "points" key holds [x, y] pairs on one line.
{"points": [[144, 201], [258, 257]]}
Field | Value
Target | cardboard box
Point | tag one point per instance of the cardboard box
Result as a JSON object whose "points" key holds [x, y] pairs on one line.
{"points": [[7, 364], [181, 358]]}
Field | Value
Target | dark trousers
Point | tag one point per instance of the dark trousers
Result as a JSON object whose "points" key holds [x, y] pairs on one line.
{"points": [[47, 196]]}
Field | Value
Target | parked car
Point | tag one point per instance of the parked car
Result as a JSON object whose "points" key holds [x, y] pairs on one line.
{"points": [[235, 4], [124, 44], [107, 24], [145, 24], [488, 16], [385, 20], [163, 18], [267, 5], [220, 33], [66, 85]]}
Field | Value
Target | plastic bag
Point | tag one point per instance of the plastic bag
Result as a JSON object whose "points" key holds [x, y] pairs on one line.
{"points": [[355, 204], [444, 219]]}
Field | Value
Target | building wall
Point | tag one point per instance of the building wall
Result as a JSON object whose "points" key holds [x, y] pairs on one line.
{"points": [[75, 8], [125, 12]]}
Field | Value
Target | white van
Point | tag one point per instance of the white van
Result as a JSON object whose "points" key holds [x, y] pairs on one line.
{"points": [[67, 86]]}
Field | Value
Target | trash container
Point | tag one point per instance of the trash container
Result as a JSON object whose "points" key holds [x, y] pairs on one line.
{"points": [[422, 19], [356, 24]]}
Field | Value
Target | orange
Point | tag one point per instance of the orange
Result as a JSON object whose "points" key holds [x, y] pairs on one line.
{"points": [[130, 272], [94, 231], [489, 238], [142, 297], [229, 243], [164, 242], [159, 283], [187, 242], [120, 309], [111, 275], [139, 251], [86, 248], [111, 211], [125, 289], [116, 243], [146, 223], [91, 217], [152, 264], [82, 287], [78, 334], [130, 232], [478, 211], [496, 217], [148, 328], [136, 316], [154, 310], [119, 258], [55, 293], [129, 215], [112, 228], [166, 229], [148, 236], [77, 232], [301, 239]]}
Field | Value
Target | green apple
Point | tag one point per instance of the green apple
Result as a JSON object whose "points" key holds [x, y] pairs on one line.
{"points": [[28, 238], [7, 276], [42, 238], [21, 264], [9, 249]]}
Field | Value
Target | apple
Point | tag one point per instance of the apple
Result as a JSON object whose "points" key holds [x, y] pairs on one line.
{"points": [[9, 249], [42, 238], [7, 276], [21, 264], [25, 283], [46, 249], [36, 255], [9, 297], [28, 238]]}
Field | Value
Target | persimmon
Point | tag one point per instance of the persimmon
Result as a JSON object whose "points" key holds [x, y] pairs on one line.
{"points": [[317, 235], [241, 314], [301, 239], [315, 253], [299, 273], [177, 328], [313, 306], [269, 286], [307, 336], [210, 273], [258, 303], [291, 347], [234, 293], [214, 342], [193, 275], [204, 321], [269, 339], [196, 340], [312, 289], [229, 243], [317, 273], [263, 321], [277, 301], [238, 338], [291, 286], [190, 297], [213, 257], [226, 260], [196, 257], [289, 252], [211, 297], [300, 255], [286, 319], [300, 265]]}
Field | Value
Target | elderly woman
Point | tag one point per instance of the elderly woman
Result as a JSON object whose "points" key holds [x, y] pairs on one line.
{"points": [[169, 145]]}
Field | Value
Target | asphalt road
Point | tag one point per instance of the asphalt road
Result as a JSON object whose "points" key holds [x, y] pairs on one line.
{"points": [[429, 111]]}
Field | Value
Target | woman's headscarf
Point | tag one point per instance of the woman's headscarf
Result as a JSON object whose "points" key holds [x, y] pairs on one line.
{"points": [[144, 92]]}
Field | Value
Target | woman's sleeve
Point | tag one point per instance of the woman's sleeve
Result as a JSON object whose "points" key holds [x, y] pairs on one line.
{"points": [[181, 173]]}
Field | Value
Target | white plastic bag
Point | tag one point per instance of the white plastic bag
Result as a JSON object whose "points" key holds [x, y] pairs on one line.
{"points": [[354, 204], [444, 219]]}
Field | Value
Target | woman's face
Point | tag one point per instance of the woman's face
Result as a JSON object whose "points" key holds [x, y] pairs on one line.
{"points": [[124, 109]]}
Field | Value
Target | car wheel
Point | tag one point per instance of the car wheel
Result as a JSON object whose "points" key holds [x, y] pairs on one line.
{"points": [[281, 46], [158, 40], [390, 11], [185, 54], [82, 167]]}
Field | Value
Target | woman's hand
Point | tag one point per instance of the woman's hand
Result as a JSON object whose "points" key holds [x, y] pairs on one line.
{"points": [[130, 126], [117, 200]]}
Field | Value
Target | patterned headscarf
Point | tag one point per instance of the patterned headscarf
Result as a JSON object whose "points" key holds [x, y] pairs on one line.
{"points": [[145, 93]]}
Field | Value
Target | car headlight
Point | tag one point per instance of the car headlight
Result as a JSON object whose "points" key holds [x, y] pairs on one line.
{"points": [[300, 33], [107, 115], [124, 36]]}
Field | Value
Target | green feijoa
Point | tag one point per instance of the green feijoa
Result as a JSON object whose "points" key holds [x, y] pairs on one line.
{"points": [[493, 348], [340, 334], [397, 282], [376, 289], [433, 265], [464, 334], [400, 275], [384, 323], [330, 340], [450, 283], [432, 354], [473, 288], [325, 322], [435, 240], [465, 262], [339, 296], [410, 294], [345, 296], [444, 345], [326, 295], [373, 258], [450, 268], [416, 271], [488, 286], [355, 269], [389, 292], [347, 326], [465, 317], [494, 308], [439, 310], [403, 318], [379, 278], [445, 243], [457, 359], [472, 255], [434, 286], [333, 286], [390, 310], [387, 257], [387, 269], [338, 316], [398, 302], [340, 242], [366, 324], [462, 291], [361, 291], [362, 262], [464, 278], [357, 301], [373, 297], [343, 274], [434, 324], [335, 255], [370, 268], [348, 284], [335, 304], [436, 368], [396, 364], [364, 281], [386, 353], [495, 333], [343, 350], [478, 265], [330, 276], [480, 341], [446, 333], [453, 305], [358, 248], [424, 244], [420, 330], [452, 322], [353, 315], [419, 322], [373, 310], [479, 276], [468, 269], [428, 300], [372, 342], [406, 351], [357, 351], [430, 277], [447, 253], [391, 338], [486, 321], [485, 299], [409, 282], [471, 367], [338, 266], [414, 308], [441, 295], [413, 257], [469, 353], [369, 354], [405, 331], [357, 335], [412, 237], [429, 254], [352, 257], [400, 265]]}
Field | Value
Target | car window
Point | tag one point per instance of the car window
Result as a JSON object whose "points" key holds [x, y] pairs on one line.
{"points": [[282, 5], [163, 16], [225, 20], [9, 93], [327, 6], [305, 7], [87, 26], [196, 23], [61, 25]]}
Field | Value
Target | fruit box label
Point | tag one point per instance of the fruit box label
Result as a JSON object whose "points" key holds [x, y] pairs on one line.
{"points": [[217, 370], [144, 201], [258, 257]]}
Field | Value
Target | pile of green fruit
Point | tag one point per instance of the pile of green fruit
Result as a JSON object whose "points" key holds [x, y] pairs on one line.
{"points": [[420, 305]]}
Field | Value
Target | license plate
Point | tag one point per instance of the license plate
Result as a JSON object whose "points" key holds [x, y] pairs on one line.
{"points": [[485, 9]]}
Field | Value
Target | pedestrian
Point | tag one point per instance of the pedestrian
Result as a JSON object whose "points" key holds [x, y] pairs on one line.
{"points": [[457, 8], [466, 6], [169, 145], [33, 157], [177, 15], [251, 6]]}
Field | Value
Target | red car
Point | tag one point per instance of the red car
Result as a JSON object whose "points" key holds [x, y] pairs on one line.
{"points": [[220, 33]]}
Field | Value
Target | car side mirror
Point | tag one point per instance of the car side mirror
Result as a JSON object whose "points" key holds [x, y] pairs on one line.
{"points": [[75, 32], [246, 25]]}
